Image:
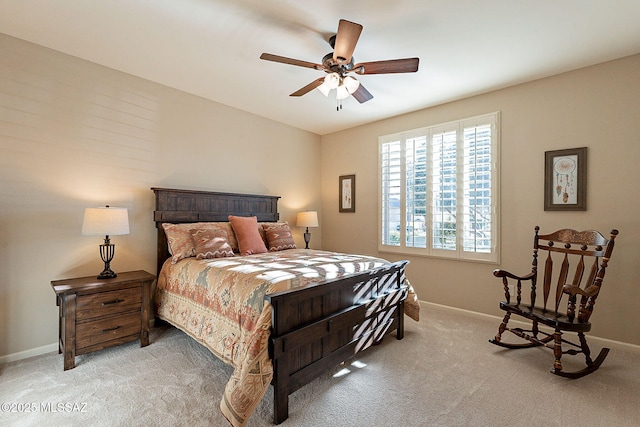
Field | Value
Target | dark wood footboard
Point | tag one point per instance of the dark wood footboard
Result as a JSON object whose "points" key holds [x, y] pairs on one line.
{"points": [[317, 327]]}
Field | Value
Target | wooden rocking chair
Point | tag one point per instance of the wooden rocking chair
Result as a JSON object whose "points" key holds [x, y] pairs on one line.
{"points": [[572, 251]]}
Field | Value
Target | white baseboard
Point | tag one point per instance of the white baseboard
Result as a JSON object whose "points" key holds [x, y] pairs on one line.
{"points": [[603, 342], [28, 353]]}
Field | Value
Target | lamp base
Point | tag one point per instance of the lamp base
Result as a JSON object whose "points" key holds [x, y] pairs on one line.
{"points": [[107, 273], [107, 250], [307, 238]]}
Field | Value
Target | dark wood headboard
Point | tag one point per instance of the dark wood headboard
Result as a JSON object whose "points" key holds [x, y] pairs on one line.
{"points": [[183, 206]]}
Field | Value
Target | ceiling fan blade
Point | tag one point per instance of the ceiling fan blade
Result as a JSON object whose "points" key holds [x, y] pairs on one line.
{"points": [[290, 61], [346, 39], [361, 94], [407, 65], [308, 88]]}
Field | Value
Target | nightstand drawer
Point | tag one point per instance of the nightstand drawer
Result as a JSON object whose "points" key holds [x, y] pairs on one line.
{"points": [[111, 328], [105, 303]]}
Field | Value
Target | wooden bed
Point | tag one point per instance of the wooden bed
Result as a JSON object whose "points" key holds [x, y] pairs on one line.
{"points": [[316, 327]]}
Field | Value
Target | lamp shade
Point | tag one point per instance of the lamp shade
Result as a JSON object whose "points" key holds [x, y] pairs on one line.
{"points": [[342, 92], [351, 84], [105, 221], [324, 89], [307, 219], [332, 80]]}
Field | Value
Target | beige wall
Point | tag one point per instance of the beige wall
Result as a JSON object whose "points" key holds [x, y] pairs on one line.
{"points": [[74, 134], [596, 107]]}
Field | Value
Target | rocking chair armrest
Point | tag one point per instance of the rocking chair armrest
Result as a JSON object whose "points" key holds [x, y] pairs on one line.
{"points": [[502, 273]]}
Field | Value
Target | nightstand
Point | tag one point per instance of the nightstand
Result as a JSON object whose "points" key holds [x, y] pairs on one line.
{"points": [[100, 313]]}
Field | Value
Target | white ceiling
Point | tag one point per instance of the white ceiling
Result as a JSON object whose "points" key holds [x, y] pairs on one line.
{"points": [[211, 48]]}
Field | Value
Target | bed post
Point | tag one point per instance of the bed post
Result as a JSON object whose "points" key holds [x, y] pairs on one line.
{"points": [[280, 362], [162, 251], [400, 308], [280, 401], [400, 330]]}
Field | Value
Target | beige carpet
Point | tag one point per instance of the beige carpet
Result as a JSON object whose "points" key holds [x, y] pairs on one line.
{"points": [[444, 373]]}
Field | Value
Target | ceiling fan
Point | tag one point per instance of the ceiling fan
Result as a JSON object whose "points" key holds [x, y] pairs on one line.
{"points": [[340, 63]]}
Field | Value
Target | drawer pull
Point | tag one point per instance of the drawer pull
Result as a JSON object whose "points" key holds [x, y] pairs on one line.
{"points": [[115, 301], [111, 329]]}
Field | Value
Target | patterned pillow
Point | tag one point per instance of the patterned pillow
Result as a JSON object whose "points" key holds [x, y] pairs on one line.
{"points": [[246, 231], [181, 243], [262, 226], [179, 240], [211, 243], [279, 237], [231, 238]]}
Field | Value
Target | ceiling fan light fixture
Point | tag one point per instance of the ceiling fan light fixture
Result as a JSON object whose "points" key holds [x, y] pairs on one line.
{"points": [[332, 80], [351, 84], [342, 92], [324, 89]]}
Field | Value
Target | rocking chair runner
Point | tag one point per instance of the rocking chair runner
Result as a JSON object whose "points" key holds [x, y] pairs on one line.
{"points": [[573, 251]]}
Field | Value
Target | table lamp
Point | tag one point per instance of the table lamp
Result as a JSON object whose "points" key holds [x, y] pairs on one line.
{"points": [[106, 221], [307, 219]]}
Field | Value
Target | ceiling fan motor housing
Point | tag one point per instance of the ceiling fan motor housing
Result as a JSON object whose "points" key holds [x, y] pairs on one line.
{"points": [[336, 66]]}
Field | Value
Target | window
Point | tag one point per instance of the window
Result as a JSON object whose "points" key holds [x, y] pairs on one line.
{"points": [[439, 190]]}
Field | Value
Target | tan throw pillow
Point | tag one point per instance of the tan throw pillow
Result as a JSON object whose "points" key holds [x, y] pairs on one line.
{"points": [[211, 243], [279, 237], [179, 241], [246, 231]]}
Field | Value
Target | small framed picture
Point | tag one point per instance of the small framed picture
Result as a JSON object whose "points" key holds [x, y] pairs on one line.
{"points": [[565, 180], [347, 185]]}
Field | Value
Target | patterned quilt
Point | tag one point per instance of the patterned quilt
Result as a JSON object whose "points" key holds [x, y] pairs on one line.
{"points": [[220, 303]]}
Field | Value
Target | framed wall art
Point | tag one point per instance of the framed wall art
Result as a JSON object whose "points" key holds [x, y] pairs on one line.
{"points": [[347, 184], [565, 180]]}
